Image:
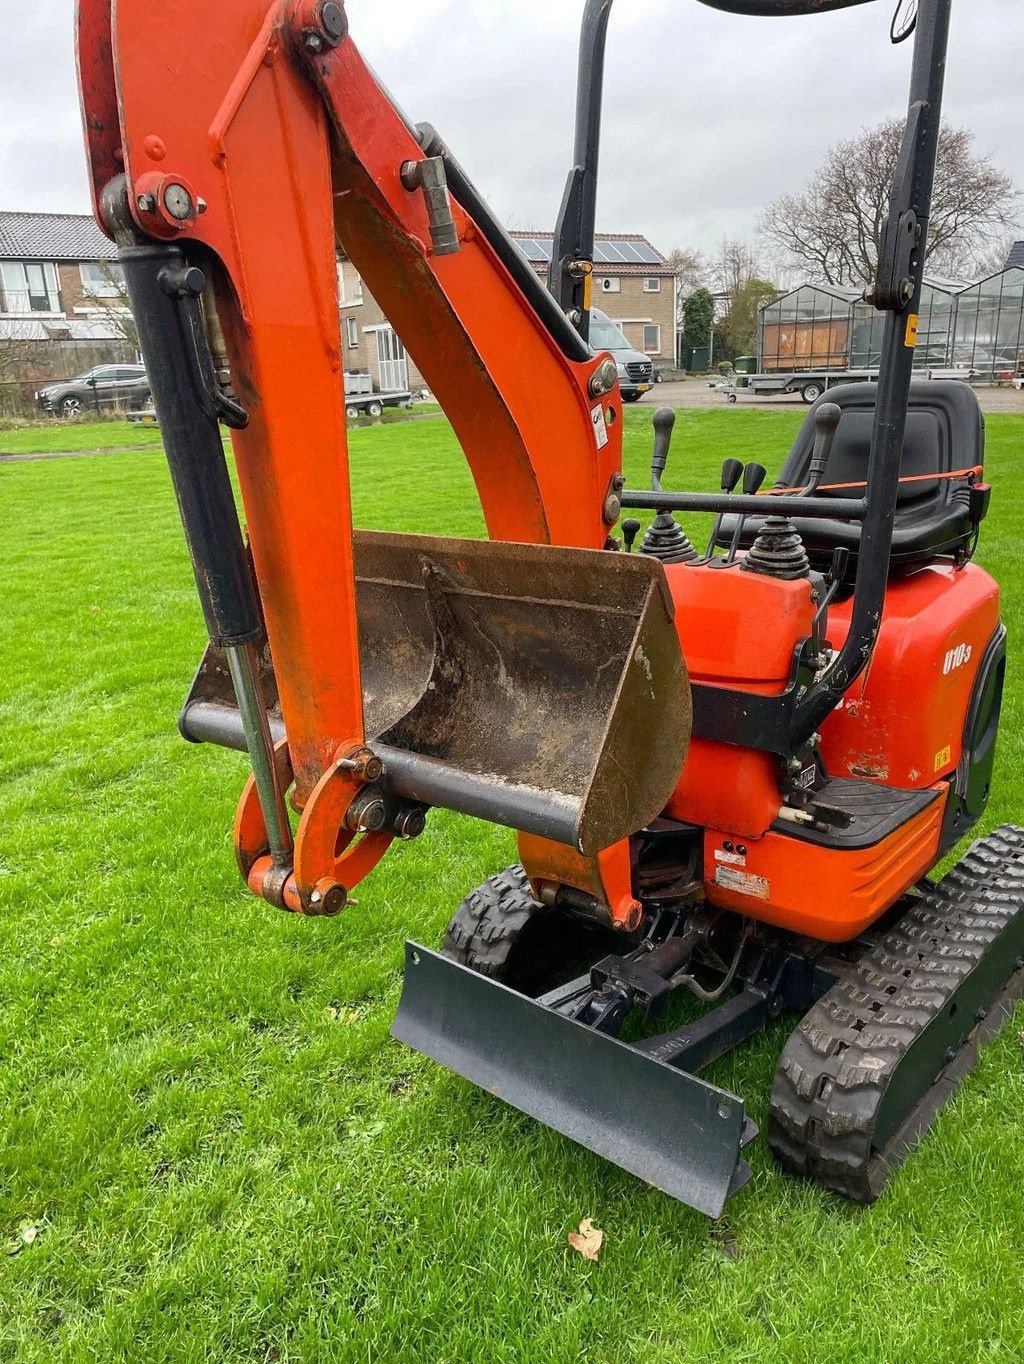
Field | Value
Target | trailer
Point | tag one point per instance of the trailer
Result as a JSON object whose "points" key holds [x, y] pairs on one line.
{"points": [[362, 401], [819, 336], [810, 384], [373, 404]]}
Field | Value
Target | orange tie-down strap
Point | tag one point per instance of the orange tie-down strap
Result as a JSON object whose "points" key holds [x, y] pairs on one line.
{"points": [[969, 474]]}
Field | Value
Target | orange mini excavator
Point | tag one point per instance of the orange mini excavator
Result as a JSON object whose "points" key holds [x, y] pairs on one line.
{"points": [[731, 771]]}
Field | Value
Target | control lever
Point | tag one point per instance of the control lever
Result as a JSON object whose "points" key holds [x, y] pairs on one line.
{"points": [[664, 424], [754, 476], [630, 530], [836, 575], [665, 540], [732, 472], [826, 423]]}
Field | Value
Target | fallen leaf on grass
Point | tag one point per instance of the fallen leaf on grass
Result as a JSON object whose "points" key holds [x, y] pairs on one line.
{"points": [[23, 1237], [588, 1240]]}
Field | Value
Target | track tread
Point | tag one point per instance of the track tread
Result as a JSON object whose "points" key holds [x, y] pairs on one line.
{"points": [[840, 1062], [486, 926]]}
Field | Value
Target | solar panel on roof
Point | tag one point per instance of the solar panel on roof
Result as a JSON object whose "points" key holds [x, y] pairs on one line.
{"points": [[606, 251]]}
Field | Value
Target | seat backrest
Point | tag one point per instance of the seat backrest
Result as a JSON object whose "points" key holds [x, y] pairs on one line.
{"points": [[945, 431]]}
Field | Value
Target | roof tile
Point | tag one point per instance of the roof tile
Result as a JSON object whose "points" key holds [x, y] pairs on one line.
{"points": [[52, 237]]}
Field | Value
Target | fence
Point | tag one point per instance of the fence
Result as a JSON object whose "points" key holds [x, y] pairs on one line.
{"points": [[26, 366]]}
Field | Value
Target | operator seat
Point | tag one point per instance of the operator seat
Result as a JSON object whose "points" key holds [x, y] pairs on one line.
{"points": [[945, 432]]}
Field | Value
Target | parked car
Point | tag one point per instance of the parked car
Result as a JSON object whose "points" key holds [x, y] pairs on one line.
{"points": [[106, 386], [636, 371]]}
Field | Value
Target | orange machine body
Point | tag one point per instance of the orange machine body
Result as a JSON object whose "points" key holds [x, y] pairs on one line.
{"points": [[902, 722], [741, 631], [289, 147]]}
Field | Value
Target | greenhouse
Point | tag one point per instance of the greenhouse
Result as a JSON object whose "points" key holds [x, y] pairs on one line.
{"points": [[827, 326], [988, 336]]}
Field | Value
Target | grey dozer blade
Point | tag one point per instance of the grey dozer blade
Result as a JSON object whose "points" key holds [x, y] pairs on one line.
{"points": [[669, 1128]]}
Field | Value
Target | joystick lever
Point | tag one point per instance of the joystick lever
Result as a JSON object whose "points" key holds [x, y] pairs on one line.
{"points": [[754, 476], [732, 472], [665, 540], [826, 423], [664, 423]]}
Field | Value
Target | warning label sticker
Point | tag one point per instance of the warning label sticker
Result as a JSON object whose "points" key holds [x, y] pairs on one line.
{"points": [[743, 883], [600, 429], [732, 858]]}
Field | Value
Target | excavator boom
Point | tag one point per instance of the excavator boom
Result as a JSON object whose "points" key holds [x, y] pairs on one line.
{"points": [[228, 185]]}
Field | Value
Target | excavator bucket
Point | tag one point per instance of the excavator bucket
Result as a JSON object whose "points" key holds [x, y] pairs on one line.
{"points": [[535, 686], [667, 1127]]}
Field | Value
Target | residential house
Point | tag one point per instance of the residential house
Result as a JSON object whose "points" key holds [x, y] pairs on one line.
{"points": [[61, 302], [633, 283], [369, 344]]}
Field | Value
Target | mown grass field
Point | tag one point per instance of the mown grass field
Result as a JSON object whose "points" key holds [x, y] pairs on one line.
{"points": [[223, 1154], [43, 436]]}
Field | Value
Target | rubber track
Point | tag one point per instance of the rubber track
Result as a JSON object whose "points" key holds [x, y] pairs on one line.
{"points": [[486, 925], [846, 1053]]}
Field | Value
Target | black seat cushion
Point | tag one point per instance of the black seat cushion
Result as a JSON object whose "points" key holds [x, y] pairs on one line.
{"points": [[945, 432]]}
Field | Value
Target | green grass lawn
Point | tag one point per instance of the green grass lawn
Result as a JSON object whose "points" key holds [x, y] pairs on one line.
{"points": [[118, 433], [74, 435], [225, 1156]]}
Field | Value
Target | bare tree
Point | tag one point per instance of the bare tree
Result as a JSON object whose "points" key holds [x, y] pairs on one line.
{"points": [[691, 271], [993, 260], [735, 266], [19, 346], [833, 227], [24, 356], [110, 304]]}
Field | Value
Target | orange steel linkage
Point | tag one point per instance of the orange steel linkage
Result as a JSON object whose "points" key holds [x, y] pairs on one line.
{"points": [[288, 150]]}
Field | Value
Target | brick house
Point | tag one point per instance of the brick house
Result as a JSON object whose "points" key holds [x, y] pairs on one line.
{"points": [[633, 283], [61, 303], [369, 344], [57, 272]]}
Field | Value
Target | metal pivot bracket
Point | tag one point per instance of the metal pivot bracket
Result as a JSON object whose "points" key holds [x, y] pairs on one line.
{"points": [[902, 234]]}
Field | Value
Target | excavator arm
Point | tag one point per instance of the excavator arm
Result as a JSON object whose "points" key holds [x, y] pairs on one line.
{"points": [[536, 680]]}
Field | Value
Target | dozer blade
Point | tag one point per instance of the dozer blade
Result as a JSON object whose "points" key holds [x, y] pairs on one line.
{"points": [[538, 687], [668, 1128]]}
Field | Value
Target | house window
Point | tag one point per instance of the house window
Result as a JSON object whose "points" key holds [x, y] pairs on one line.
{"points": [[652, 338], [101, 278], [350, 286], [28, 287], [610, 285], [351, 333], [652, 285]]}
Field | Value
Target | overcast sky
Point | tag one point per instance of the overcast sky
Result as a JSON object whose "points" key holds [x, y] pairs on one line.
{"points": [[707, 116]]}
